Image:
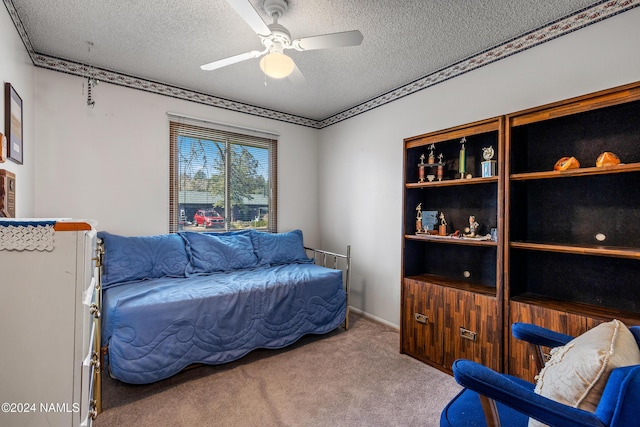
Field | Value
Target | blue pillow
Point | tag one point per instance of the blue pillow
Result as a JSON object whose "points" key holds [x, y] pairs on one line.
{"points": [[142, 257], [280, 248], [212, 252]]}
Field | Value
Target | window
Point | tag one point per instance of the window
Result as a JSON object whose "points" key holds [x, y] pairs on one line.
{"points": [[221, 177]]}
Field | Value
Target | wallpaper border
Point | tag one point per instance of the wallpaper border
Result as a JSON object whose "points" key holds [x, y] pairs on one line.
{"points": [[585, 17]]}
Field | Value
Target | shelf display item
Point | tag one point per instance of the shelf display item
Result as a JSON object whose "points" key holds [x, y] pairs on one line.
{"points": [[421, 167], [440, 170], [607, 159], [429, 222], [489, 166], [472, 229], [566, 163], [462, 163], [419, 218], [432, 158], [442, 228]]}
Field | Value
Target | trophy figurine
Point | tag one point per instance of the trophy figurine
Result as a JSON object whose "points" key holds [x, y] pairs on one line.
{"points": [[419, 218], [462, 161], [489, 165], [440, 170], [442, 228], [432, 158], [421, 167]]}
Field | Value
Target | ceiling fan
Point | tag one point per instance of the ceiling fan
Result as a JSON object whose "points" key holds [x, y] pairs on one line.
{"points": [[276, 39]]}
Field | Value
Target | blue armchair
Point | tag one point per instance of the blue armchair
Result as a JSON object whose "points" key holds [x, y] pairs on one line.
{"points": [[492, 399]]}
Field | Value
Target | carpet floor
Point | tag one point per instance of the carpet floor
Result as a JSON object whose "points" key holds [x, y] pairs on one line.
{"points": [[344, 378]]}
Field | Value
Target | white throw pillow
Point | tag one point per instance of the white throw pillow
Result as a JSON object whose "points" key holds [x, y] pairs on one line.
{"points": [[577, 372]]}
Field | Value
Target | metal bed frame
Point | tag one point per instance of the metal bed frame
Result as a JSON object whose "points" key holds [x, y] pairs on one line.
{"points": [[326, 257]]}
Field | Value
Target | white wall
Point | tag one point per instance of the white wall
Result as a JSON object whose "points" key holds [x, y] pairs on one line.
{"points": [[111, 163], [361, 158], [16, 68]]}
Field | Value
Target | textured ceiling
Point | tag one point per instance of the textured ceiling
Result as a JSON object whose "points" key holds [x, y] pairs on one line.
{"points": [[167, 41]]}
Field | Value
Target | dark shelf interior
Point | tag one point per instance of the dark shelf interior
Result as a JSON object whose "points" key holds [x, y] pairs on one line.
{"points": [[536, 147], [575, 210], [457, 203], [451, 153], [606, 282], [451, 261]]}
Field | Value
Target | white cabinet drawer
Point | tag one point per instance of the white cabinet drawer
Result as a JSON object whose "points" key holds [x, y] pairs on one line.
{"points": [[90, 364], [90, 312]]}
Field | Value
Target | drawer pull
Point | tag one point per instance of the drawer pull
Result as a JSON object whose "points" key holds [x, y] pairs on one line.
{"points": [[93, 412], [467, 334], [95, 361], [95, 310], [421, 318]]}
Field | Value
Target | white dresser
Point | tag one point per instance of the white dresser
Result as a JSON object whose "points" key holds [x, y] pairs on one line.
{"points": [[49, 327]]}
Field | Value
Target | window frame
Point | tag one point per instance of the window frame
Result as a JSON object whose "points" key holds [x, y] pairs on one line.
{"points": [[202, 129]]}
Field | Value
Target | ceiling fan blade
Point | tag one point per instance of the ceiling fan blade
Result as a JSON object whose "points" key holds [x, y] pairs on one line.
{"points": [[247, 12], [231, 60], [347, 38]]}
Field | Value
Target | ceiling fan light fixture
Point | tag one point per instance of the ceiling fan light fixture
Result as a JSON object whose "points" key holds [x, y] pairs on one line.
{"points": [[277, 65]]}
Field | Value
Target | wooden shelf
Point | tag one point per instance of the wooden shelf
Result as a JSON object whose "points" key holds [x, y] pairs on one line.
{"points": [[452, 182], [607, 98], [476, 128], [607, 251], [578, 308], [456, 284], [605, 170], [450, 240]]}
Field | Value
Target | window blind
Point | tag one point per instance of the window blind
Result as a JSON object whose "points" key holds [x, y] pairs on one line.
{"points": [[227, 172]]}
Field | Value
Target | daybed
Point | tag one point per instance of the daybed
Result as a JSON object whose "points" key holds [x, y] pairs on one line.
{"points": [[173, 300]]}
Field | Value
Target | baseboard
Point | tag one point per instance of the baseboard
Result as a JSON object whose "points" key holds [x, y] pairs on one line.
{"points": [[372, 317]]}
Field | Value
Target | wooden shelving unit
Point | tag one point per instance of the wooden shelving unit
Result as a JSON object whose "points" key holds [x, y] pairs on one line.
{"points": [[572, 237], [568, 247], [451, 286]]}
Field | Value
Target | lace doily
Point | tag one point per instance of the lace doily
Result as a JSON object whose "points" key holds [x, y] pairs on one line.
{"points": [[27, 236]]}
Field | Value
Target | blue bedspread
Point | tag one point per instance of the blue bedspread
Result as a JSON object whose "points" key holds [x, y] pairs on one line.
{"points": [[155, 328]]}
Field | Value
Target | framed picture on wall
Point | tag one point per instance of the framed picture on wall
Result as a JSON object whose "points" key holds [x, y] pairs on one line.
{"points": [[13, 123]]}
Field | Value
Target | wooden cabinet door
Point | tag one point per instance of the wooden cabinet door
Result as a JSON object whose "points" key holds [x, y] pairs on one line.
{"points": [[471, 329], [521, 354], [422, 321]]}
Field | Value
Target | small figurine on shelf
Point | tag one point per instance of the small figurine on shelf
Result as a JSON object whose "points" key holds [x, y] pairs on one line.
{"points": [[432, 158], [419, 218], [440, 171], [421, 167], [442, 228], [472, 230]]}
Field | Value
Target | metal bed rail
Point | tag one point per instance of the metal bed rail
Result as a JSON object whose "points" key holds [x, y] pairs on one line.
{"points": [[325, 259]]}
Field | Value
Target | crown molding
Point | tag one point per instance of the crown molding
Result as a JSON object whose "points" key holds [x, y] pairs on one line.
{"points": [[159, 88], [580, 19], [585, 17]]}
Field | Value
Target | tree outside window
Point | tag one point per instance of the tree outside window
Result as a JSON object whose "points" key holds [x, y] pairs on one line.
{"points": [[223, 181]]}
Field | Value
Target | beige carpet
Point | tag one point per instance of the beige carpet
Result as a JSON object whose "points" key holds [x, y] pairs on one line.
{"points": [[344, 378]]}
